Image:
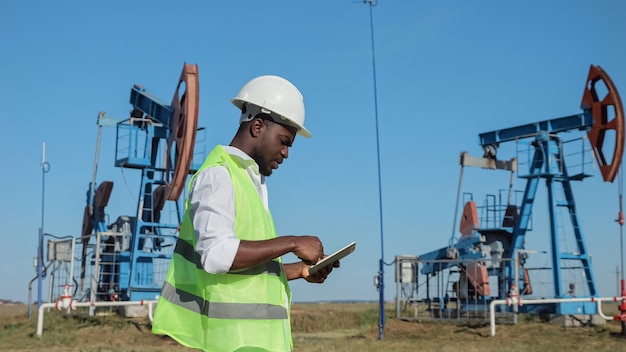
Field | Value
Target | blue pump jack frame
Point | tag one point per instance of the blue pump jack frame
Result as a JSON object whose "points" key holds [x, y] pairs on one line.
{"points": [[137, 265], [139, 140], [548, 164]]}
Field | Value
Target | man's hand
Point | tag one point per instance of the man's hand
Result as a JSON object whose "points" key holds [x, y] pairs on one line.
{"points": [[320, 276], [309, 249]]}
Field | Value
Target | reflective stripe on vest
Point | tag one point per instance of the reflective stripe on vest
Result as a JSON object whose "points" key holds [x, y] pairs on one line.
{"points": [[186, 250], [222, 310]]}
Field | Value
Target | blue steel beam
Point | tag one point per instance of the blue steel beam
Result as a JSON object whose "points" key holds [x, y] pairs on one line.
{"points": [[561, 124], [437, 260], [151, 105]]}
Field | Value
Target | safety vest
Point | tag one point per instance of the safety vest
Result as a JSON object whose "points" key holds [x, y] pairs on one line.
{"points": [[244, 310]]}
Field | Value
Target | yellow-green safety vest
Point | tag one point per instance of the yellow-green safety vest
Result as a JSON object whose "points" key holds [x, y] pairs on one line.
{"points": [[245, 310]]}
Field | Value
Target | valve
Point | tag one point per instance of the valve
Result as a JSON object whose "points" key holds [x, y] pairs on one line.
{"points": [[66, 299], [113, 296], [514, 295], [622, 306]]}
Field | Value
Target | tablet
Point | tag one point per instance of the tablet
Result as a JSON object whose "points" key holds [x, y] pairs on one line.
{"points": [[332, 258]]}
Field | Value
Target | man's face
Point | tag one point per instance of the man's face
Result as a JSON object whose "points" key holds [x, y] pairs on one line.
{"points": [[273, 146]]}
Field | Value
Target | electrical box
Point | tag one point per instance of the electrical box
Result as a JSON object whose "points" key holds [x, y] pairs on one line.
{"points": [[406, 269], [60, 250]]}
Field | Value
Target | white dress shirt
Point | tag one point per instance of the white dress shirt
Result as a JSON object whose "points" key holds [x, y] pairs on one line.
{"points": [[212, 211]]}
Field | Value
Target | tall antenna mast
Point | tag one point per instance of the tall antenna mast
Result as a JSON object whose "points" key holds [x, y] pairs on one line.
{"points": [[380, 279]]}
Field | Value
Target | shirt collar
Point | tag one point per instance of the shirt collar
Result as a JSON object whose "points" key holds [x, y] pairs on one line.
{"points": [[244, 159]]}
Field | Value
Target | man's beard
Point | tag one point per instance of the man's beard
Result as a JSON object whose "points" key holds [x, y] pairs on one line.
{"points": [[264, 168]]}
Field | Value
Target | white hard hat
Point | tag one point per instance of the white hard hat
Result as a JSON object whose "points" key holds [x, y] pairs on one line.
{"points": [[274, 96]]}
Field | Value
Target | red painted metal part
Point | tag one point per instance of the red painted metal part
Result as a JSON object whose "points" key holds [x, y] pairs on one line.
{"points": [[603, 121], [477, 275], [622, 306], [101, 199], [469, 220], [185, 123]]}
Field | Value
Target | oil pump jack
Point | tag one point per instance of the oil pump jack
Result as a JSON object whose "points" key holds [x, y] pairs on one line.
{"points": [[127, 258], [481, 251]]}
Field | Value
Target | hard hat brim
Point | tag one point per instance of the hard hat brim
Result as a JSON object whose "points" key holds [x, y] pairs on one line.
{"points": [[283, 120]]}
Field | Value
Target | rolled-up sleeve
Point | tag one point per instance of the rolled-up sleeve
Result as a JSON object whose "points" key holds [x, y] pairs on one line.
{"points": [[212, 210]]}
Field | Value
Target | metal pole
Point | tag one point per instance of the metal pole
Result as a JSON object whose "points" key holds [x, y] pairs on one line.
{"points": [[456, 206], [92, 185], [30, 291], [30, 297], [45, 167], [621, 234], [620, 221], [95, 276], [399, 283], [39, 261], [518, 292], [380, 278], [72, 251], [51, 282], [381, 313], [516, 276], [617, 280]]}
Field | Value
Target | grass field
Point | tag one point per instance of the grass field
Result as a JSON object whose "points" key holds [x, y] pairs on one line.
{"points": [[316, 327]]}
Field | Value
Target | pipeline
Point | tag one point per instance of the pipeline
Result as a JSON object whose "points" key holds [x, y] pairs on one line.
{"points": [[492, 305], [73, 305]]}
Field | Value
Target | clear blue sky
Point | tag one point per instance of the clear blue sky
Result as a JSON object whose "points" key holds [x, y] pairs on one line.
{"points": [[446, 71]]}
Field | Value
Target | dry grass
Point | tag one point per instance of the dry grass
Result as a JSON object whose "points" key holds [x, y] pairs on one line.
{"points": [[317, 327], [531, 334]]}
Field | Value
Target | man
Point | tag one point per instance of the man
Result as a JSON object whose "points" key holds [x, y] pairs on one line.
{"points": [[226, 288]]}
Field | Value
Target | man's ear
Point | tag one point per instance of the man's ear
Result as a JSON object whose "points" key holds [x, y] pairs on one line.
{"points": [[257, 125]]}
